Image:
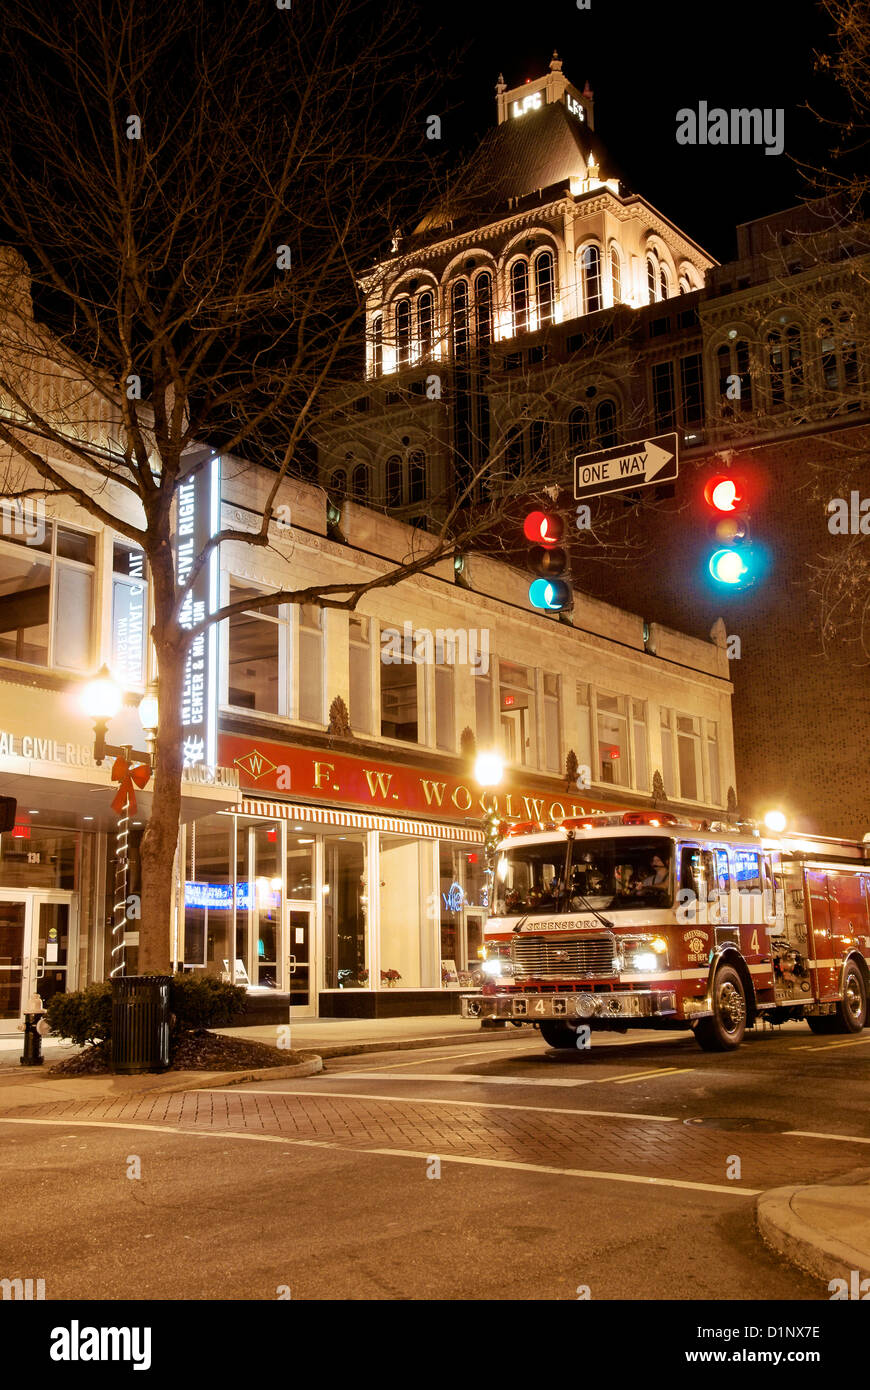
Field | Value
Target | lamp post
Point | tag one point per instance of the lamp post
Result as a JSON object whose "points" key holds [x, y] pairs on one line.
{"points": [[102, 699], [488, 773]]}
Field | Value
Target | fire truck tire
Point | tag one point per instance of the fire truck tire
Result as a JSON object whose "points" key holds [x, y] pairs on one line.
{"points": [[851, 1012], [725, 1029], [560, 1035]]}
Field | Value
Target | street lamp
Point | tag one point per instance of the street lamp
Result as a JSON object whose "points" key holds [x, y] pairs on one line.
{"points": [[488, 770], [775, 821], [102, 698]]}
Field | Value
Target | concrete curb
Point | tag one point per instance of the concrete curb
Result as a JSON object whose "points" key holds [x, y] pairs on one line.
{"points": [[805, 1245], [196, 1080], [398, 1044]]}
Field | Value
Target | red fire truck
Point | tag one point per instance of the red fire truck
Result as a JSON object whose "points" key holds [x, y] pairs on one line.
{"points": [[645, 920]]}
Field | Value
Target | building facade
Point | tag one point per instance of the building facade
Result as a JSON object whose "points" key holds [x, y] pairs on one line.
{"points": [[550, 314]]}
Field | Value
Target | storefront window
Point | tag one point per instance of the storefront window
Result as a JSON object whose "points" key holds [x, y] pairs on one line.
{"points": [[401, 928], [36, 856], [208, 895], [344, 912], [267, 899], [463, 890], [300, 867]]}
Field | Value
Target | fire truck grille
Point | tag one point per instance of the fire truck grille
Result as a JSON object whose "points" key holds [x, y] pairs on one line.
{"points": [[537, 959]]}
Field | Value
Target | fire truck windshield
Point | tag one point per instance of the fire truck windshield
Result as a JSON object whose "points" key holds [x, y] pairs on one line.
{"points": [[610, 874]]}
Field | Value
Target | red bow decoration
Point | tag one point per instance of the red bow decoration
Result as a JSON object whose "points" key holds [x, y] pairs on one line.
{"points": [[130, 778]]}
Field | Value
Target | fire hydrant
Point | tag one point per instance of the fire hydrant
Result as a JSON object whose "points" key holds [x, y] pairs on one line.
{"points": [[33, 1029]]}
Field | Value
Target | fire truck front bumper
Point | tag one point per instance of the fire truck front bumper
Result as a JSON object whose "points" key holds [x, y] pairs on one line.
{"points": [[635, 1003]]}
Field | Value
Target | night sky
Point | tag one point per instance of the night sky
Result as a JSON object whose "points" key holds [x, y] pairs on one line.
{"points": [[644, 62]]}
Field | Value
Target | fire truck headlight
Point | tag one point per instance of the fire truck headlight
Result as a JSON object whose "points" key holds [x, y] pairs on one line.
{"points": [[645, 960], [495, 967]]}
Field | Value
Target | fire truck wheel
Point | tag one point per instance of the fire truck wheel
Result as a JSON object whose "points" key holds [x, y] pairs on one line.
{"points": [[851, 1014], [560, 1035], [724, 1030]]}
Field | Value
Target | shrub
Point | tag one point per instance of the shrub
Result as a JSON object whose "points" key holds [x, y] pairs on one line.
{"points": [[195, 1001], [204, 1001], [83, 1016]]}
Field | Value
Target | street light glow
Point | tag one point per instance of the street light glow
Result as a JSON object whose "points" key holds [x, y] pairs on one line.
{"points": [[148, 712], [102, 696], [775, 821], [488, 769]]}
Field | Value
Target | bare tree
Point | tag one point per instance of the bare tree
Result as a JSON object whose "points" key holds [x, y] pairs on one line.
{"points": [[195, 196]]}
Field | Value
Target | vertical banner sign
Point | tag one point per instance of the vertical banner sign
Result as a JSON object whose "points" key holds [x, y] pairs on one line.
{"points": [[198, 518]]}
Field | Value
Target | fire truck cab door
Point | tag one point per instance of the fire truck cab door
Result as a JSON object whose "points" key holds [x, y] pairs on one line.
{"points": [[823, 954]]}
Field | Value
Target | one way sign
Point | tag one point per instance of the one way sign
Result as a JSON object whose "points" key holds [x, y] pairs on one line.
{"points": [[634, 465]]}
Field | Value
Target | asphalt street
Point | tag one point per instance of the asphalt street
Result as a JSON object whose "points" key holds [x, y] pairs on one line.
{"points": [[500, 1170]]}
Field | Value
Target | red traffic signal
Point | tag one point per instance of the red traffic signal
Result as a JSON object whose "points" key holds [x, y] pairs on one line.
{"points": [[543, 528], [724, 492]]}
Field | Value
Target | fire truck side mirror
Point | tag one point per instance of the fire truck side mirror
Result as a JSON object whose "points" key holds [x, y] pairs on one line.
{"points": [[8, 809]]}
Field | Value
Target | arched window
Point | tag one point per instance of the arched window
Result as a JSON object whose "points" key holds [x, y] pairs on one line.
{"points": [[590, 261], [578, 430], [741, 359], [539, 444], [361, 482], [665, 281], [520, 295], [393, 473], [828, 349], [403, 332], [483, 309], [774, 357], [652, 279], [795, 356], [723, 364], [605, 424], [459, 317], [338, 483], [377, 344], [615, 275], [425, 323], [544, 285], [417, 476], [684, 285]]}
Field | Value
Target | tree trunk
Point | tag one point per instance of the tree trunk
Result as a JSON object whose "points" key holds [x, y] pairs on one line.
{"points": [[161, 836]]}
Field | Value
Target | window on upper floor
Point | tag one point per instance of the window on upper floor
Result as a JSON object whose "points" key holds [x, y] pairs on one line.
{"points": [[360, 484], [544, 286], [785, 363], [612, 739], [520, 295], [393, 479], [590, 270], [539, 444], [838, 353], [615, 275], [658, 278], [552, 722], [360, 661], [735, 378], [692, 389], [338, 482], [664, 281], [517, 711], [399, 704], [663, 399], [416, 476], [310, 653], [459, 317], [483, 309], [257, 655], [578, 430], [403, 332], [377, 345], [426, 323], [605, 424], [47, 598], [682, 769]]}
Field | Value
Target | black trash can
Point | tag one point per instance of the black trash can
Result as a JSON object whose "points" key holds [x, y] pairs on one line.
{"points": [[140, 1023]]}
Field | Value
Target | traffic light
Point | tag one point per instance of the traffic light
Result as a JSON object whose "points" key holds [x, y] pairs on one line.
{"points": [[733, 562], [548, 561]]}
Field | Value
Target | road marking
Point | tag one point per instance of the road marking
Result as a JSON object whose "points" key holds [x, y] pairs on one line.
{"points": [[462, 1076], [824, 1047], [814, 1134], [438, 1100], [643, 1075], [590, 1174], [443, 1058]]}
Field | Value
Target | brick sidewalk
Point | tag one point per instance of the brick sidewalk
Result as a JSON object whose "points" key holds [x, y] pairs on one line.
{"points": [[619, 1145]]}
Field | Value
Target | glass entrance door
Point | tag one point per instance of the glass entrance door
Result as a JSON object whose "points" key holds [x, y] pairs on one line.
{"points": [[300, 960], [37, 935], [13, 929]]}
